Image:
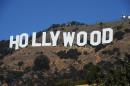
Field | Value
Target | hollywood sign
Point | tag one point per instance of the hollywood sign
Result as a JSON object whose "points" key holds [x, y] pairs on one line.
{"points": [[96, 37]]}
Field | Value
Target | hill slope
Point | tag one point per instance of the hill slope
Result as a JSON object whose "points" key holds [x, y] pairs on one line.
{"points": [[88, 53]]}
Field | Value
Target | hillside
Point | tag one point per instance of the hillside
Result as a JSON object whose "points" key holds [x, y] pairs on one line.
{"points": [[92, 53], [62, 59]]}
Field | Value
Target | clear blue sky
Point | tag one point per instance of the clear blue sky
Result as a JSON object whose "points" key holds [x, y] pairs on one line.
{"points": [[18, 16]]}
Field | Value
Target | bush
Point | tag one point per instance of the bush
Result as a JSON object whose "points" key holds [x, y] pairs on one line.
{"points": [[20, 64], [119, 27], [72, 54], [55, 25], [74, 23], [65, 82], [101, 24], [41, 63], [17, 74], [99, 47], [112, 52], [76, 29], [62, 54], [4, 49], [80, 82], [127, 30], [91, 72], [1, 62], [85, 53], [127, 55], [119, 35]]}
